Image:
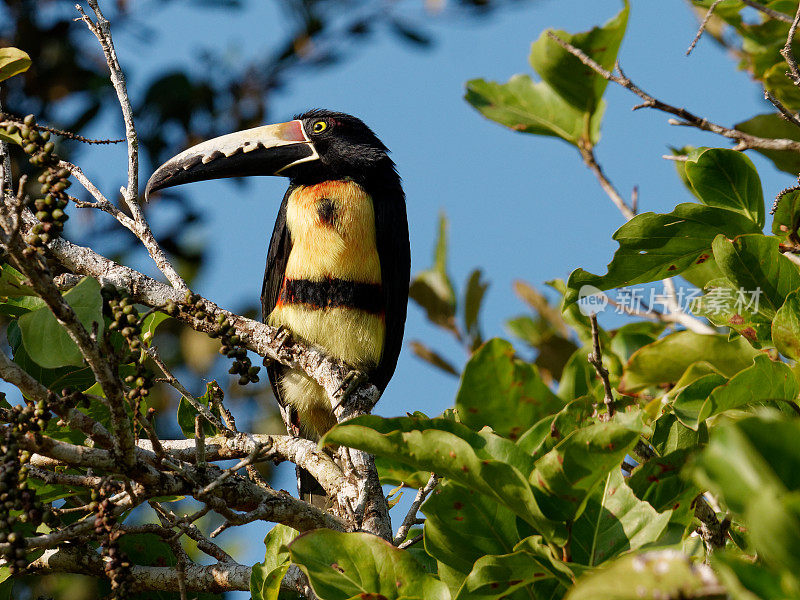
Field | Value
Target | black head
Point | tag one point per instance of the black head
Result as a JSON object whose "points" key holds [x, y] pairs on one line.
{"points": [[347, 148]]}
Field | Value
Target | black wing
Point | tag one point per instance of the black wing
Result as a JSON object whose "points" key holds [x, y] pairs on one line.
{"points": [[394, 253], [279, 247]]}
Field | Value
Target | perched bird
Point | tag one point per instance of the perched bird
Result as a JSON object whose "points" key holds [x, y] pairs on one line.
{"points": [[339, 261]]}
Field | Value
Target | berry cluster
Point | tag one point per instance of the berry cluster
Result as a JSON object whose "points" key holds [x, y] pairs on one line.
{"points": [[125, 318], [50, 208], [15, 495], [117, 566], [232, 345]]}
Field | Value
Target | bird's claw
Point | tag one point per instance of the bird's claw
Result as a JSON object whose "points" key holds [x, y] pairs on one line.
{"points": [[351, 381], [281, 337]]}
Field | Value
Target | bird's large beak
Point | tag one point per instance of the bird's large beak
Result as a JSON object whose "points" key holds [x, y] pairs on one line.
{"points": [[266, 150]]}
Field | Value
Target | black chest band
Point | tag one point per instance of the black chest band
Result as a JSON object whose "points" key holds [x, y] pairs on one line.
{"points": [[333, 293]]}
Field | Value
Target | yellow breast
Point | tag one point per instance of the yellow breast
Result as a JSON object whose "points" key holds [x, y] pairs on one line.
{"points": [[341, 246]]}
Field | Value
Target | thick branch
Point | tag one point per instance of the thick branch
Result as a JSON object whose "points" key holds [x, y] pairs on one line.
{"points": [[301, 452], [199, 578]]}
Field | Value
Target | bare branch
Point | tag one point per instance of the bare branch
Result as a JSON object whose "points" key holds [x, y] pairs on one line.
{"points": [[773, 14], [589, 158], [744, 140], [713, 531], [214, 578], [102, 31], [702, 26], [411, 516], [785, 112], [596, 360], [786, 52]]}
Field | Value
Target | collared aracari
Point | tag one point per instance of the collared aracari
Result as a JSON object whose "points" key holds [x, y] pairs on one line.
{"points": [[339, 261]]}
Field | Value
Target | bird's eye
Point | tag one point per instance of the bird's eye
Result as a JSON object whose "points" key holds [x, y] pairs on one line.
{"points": [[319, 126]]}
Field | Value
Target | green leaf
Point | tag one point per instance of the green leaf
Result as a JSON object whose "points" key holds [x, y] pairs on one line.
{"points": [[727, 179], [754, 264], [576, 83], [47, 342], [665, 360], [500, 390], [395, 472], [658, 482], [746, 580], [473, 298], [265, 578], [774, 126], [689, 402], [656, 246], [533, 562], [727, 305], [766, 380], [566, 476], [481, 461], [699, 274], [6, 587], [150, 324], [15, 138], [187, 413], [548, 433], [343, 565], [12, 62], [786, 327], [578, 377], [462, 525], [751, 466], [614, 521], [670, 435], [11, 283], [19, 305], [661, 574], [529, 107], [629, 338], [786, 220], [432, 288], [147, 549]]}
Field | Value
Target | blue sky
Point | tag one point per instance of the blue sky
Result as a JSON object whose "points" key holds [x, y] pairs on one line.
{"points": [[519, 206]]}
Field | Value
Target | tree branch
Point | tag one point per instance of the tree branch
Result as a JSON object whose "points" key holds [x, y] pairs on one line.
{"points": [[214, 578], [102, 31], [744, 140]]}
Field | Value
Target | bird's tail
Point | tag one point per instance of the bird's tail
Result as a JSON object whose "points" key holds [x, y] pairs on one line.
{"points": [[310, 490]]}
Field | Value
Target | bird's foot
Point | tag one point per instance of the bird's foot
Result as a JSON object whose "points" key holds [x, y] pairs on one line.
{"points": [[351, 381], [281, 337]]}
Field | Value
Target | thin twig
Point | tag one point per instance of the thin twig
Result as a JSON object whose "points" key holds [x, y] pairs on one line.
{"points": [[200, 438], [744, 140], [587, 153], [408, 543], [252, 457], [152, 352], [102, 31], [60, 132], [702, 26], [411, 516], [596, 360], [785, 112], [786, 51], [774, 14]]}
